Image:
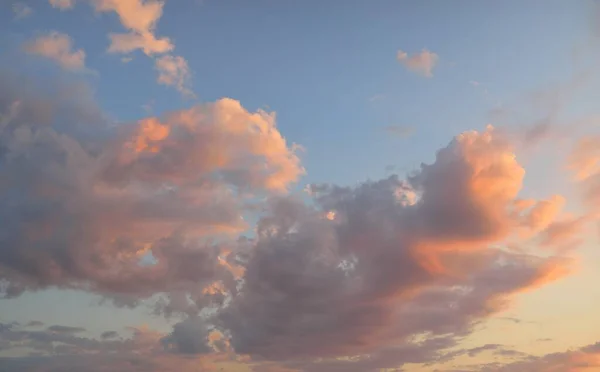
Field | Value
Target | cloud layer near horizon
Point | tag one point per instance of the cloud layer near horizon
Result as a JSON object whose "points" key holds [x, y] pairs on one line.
{"points": [[160, 207]]}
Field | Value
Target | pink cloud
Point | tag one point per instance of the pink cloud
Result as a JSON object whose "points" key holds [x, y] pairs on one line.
{"points": [[147, 42], [174, 70], [421, 63], [62, 4], [387, 272], [140, 17], [57, 47]]}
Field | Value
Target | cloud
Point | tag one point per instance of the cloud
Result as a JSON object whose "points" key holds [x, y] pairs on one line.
{"points": [[421, 63], [65, 329], [312, 290], [147, 42], [382, 274], [109, 335], [57, 47], [399, 131], [140, 17], [21, 10], [140, 351], [174, 71], [86, 204], [62, 4], [584, 162], [585, 157], [586, 358]]}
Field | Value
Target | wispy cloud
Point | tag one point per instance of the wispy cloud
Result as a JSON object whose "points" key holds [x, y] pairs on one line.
{"points": [[62, 4], [399, 131], [422, 63], [174, 70], [21, 10], [57, 47]]}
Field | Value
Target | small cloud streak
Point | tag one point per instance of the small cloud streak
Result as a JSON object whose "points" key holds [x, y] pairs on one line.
{"points": [[421, 63], [399, 131], [21, 10], [62, 4]]}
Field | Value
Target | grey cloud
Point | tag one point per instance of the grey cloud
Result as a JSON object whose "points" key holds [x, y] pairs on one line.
{"points": [[65, 329], [70, 225], [109, 335]]}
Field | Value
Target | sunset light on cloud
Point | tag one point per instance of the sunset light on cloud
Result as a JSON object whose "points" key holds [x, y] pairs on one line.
{"points": [[299, 186]]}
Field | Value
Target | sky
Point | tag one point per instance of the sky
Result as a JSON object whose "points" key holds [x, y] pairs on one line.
{"points": [[278, 185]]}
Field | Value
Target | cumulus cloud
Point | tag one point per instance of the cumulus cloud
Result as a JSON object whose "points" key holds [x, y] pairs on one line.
{"points": [[421, 63], [174, 71], [382, 271], [85, 207], [21, 10], [378, 275], [140, 17], [62, 4], [57, 47]]}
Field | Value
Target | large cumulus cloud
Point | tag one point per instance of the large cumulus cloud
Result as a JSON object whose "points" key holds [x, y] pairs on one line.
{"points": [[82, 207], [368, 274], [365, 271]]}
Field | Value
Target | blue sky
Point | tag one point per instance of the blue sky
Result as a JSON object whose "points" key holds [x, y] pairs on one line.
{"points": [[329, 71]]}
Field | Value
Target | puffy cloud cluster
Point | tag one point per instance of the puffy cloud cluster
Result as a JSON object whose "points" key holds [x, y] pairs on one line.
{"points": [[387, 266], [421, 63], [87, 206], [358, 278], [140, 18]]}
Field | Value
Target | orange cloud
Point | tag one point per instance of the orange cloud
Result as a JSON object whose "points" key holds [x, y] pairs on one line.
{"points": [[246, 147], [585, 157], [149, 135]]}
